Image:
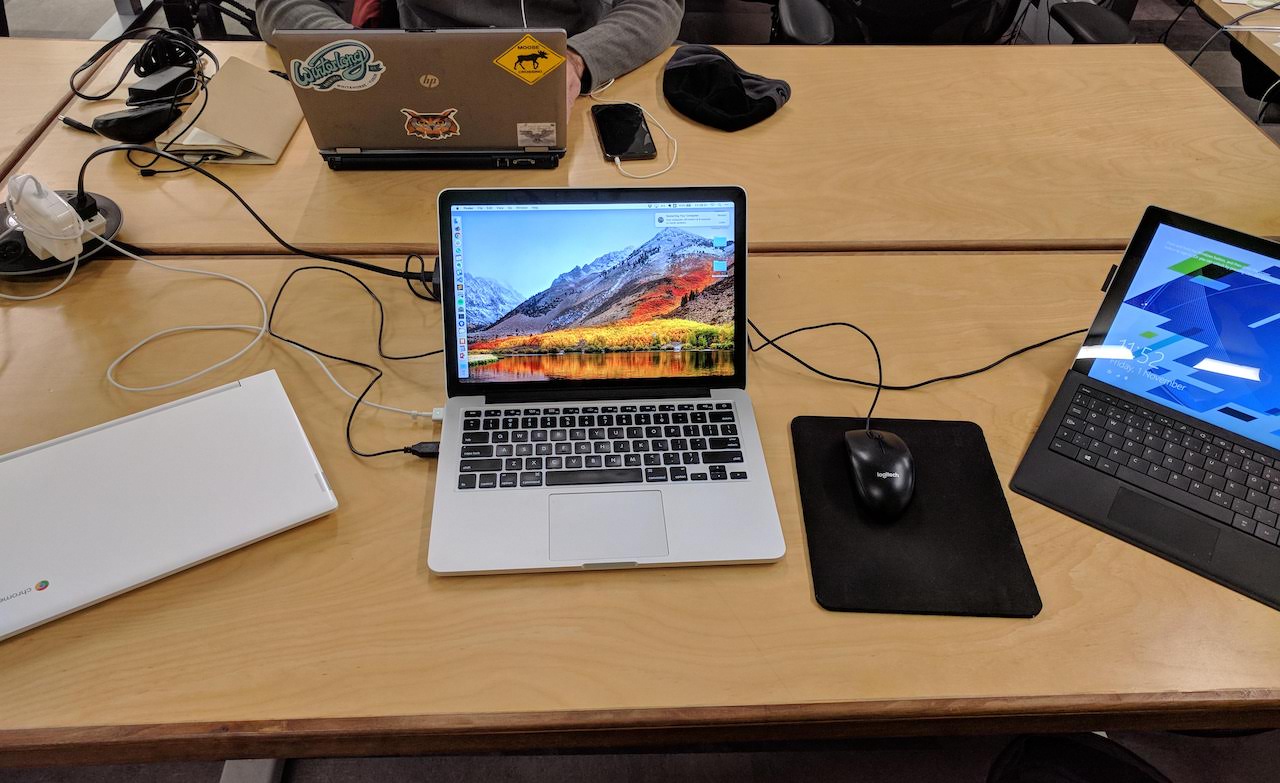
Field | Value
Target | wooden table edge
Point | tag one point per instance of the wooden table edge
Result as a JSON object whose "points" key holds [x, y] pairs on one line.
{"points": [[635, 728], [774, 248], [29, 141]]}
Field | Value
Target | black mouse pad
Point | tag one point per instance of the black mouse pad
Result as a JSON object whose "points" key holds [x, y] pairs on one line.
{"points": [[954, 550]]}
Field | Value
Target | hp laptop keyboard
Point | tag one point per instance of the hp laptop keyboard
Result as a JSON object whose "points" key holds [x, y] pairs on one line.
{"points": [[1220, 479], [504, 447]]}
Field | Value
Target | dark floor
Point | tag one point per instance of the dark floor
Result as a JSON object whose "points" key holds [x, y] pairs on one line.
{"points": [[1184, 759]]}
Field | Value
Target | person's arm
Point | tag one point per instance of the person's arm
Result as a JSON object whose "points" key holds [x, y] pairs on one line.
{"points": [[297, 15], [630, 35]]}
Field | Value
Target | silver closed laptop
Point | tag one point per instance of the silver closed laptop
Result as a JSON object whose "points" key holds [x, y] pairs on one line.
{"points": [[596, 370]]}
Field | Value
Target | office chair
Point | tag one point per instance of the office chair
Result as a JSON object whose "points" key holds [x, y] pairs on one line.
{"points": [[1106, 22], [756, 22], [922, 21]]}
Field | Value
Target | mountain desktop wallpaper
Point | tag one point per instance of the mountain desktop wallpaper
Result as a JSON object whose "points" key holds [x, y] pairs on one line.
{"points": [[656, 308]]}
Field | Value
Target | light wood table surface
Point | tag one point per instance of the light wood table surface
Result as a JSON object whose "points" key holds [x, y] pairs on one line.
{"points": [[1043, 147], [35, 89], [1261, 44], [334, 639]]}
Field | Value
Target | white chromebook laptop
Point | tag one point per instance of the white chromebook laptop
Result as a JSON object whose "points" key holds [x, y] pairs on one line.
{"points": [[99, 512], [596, 371]]}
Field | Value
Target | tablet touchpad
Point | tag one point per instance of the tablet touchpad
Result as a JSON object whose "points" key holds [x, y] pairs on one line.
{"points": [[607, 526]]}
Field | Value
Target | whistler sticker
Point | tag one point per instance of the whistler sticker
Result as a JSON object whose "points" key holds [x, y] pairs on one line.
{"points": [[535, 134], [441, 125], [529, 60], [341, 65]]}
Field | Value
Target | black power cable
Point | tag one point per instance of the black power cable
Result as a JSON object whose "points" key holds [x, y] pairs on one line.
{"points": [[424, 449], [774, 342], [80, 200]]}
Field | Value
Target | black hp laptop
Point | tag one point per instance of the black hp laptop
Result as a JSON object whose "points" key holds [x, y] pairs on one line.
{"points": [[1166, 430]]}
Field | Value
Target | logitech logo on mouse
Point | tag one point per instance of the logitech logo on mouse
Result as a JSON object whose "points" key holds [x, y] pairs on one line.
{"points": [[886, 474]]}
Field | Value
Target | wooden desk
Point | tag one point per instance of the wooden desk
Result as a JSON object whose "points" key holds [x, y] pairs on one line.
{"points": [[333, 638], [34, 89], [917, 147], [1262, 45]]}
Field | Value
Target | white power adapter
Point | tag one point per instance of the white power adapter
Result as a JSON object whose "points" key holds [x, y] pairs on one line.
{"points": [[48, 222]]}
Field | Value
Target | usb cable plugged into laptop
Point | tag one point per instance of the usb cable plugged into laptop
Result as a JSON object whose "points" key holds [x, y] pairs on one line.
{"points": [[427, 449]]}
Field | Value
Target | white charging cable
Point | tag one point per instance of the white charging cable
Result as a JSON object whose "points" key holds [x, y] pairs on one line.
{"points": [[674, 147], [74, 230]]}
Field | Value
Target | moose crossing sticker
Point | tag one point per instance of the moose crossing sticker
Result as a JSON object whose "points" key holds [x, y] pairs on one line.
{"points": [[529, 60]]}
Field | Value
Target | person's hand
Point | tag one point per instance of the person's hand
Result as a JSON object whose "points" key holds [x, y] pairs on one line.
{"points": [[574, 75]]}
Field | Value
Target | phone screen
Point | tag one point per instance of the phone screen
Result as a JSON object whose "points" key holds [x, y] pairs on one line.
{"points": [[623, 132]]}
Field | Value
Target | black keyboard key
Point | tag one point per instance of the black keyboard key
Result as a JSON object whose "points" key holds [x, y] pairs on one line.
{"points": [[1111, 438], [479, 465], [720, 417], [492, 414], [596, 433], [620, 476], [728, 429], [1266, 533], [471, 452], [1094, 431], [601, 447], [501, 437], [1088, 458], [725, 443], [1133, 447], [666, 407], [1217, 482], [1108, 466], [471, 425], [573, 462], [621, 446], [1174, 465], [533, 463], [670, 458], [1243, 523], [1181, 482], [488, 480], [1237, 475], [1152, 455], [697, 476], [520, 436], [1192, 472], [508, 480], [555, 463], [1099, 448], [469, 438], [542, 449], [578, 433], [1239, 506], [512, 463], [613, 460], [564, 448], [652, 459], [1200, 490], [1232, 459], [524, 449], [1258, 483], [594, 461], [1235, 489], [1220, 498], [1195, 458], [511, 412], [690, 458], [471, 414], [655, 474], [738, 475], [631, 460], [504, 450], [679, 474], [724, 406], [1252, 468], [569, 411], [1063, 448], [530, 479], [1174, 450], [722, 457], [582, 448], [539, 436], [467, 481], [1138, 464], [1159, 473]]}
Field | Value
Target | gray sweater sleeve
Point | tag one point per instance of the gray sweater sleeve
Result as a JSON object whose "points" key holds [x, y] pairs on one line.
{"points": [[297, 15], [631, 34]]}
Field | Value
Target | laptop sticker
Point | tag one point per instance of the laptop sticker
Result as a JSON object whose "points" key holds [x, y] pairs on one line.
{"points": [[535, 134], [441, 125], [529, 60], [341, 65]]}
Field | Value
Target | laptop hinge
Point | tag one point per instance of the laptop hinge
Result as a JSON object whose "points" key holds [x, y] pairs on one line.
{"points": [[537, 149], [347, 150], [564, 395]]}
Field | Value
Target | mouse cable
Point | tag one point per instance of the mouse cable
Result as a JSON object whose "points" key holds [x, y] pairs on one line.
{"points": [[774, 342], [80, 197], [1164, 37], [424, 449], [1231, 24]]}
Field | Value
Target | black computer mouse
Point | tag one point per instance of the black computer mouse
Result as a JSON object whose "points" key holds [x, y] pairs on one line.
{"points": [[884, 475]]}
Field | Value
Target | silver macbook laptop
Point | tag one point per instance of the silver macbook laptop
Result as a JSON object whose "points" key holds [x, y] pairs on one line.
{"points": [[431, 98], [596, 372], [101, 511]]}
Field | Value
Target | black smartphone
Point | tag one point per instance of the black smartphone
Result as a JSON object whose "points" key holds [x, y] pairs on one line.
{"points": [[623, 132]]}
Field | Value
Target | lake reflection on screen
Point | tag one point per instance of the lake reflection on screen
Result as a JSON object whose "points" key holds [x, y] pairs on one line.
{"points": [[600, 366]]}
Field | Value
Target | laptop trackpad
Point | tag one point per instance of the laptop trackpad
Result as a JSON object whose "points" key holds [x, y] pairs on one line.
{"points": [[608, 526], [1186, 537]]}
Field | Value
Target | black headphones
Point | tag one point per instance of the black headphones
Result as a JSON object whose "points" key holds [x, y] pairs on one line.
{"points": [[164, 48]]}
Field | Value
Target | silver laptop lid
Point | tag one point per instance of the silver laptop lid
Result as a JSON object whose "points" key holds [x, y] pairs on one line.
{"points": [[551, 292], [456, 90]]}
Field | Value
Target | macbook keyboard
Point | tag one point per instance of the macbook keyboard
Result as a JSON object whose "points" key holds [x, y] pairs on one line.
{"points": [[507, 447], [1219, 478]]}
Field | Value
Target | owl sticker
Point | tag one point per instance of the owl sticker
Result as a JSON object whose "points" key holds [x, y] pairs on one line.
{"points": [[441, 125]]}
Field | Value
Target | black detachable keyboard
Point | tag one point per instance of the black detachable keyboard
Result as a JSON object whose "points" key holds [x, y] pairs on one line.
{"points": [[1223, 480], [505, 447]]}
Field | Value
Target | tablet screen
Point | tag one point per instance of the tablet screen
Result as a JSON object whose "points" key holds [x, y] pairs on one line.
{"points": [[1200, 328]]}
